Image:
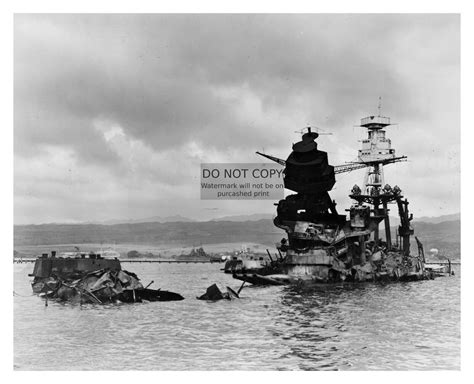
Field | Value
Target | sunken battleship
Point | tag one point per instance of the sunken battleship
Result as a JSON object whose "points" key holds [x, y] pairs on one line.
{"points": [[325, 246]]}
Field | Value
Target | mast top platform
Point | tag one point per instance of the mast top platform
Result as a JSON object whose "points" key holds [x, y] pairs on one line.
{"points": [[375, 122]]}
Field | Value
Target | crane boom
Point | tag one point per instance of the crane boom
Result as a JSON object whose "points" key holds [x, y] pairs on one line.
{"points": [[275, 159], [343, 168], [348, 167], [359, 165]]}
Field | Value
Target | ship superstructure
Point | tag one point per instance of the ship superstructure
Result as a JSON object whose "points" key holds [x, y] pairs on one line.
{"points": [[323, 245], [376, 151]]}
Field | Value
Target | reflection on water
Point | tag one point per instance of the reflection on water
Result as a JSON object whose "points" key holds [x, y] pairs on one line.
{"points": [[373, 326], [365, 327], [311, 324]]}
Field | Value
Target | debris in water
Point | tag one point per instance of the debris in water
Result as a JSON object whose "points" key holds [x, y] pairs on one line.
{"points": [[213, 293], [91, 279]]}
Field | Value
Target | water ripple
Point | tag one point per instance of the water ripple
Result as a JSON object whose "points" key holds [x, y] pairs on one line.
{"points": [[366, 327]]}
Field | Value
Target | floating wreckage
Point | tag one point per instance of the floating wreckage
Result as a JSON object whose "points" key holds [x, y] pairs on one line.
{"points": [[324, 246], [213, 293], [91, 279]]}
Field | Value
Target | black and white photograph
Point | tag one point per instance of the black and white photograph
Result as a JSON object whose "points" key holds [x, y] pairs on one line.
{"points": [[236, 191]]}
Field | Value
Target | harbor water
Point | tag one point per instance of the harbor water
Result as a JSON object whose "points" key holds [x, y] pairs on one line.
{"points": [[397, 326]]}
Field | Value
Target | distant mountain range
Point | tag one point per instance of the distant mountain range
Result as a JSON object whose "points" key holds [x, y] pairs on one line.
{"points": [[152, 219], [444, 235], [155, 233], [394, 220], [182, 219], [438, 219], [254, 217]]}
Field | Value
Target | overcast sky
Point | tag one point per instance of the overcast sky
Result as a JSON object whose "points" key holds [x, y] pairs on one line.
{"points": [[114, 113]]}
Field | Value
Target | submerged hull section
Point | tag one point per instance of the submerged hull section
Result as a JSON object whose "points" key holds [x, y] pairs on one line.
{"points": [[325, 268]]}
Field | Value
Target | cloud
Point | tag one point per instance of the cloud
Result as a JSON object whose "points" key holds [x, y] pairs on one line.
{"points": [[143, 99]]}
